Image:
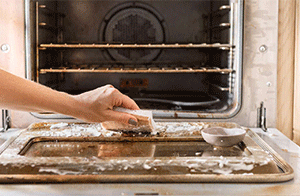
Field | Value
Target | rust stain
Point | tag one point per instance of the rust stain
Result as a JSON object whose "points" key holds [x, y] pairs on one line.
{"points": [[175, 115], [201, 115], [274, 189]]}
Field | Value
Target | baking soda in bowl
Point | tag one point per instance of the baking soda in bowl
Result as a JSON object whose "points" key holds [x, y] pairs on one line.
{"points": [[219, 136]]}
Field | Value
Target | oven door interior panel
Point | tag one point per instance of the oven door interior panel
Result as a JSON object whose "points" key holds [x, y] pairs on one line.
{"points": [[88, 153], [169, 56]]}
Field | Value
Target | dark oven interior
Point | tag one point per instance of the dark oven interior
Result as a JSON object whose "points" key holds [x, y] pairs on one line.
{"points": [[166, 55]]}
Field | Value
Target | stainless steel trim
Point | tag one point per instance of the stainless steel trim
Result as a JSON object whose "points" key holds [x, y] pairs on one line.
{"points": [[45, 116], [28, 41], [178, 103], [5, 145], [238, 30], [276, 157]]}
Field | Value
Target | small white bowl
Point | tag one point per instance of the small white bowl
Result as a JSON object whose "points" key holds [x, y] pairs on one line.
{"points": [[219, 136]]}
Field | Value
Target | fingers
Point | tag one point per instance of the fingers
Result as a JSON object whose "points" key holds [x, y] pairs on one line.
{"points": [[129, 103], [121, 99], [101, 102], [125, 118]]}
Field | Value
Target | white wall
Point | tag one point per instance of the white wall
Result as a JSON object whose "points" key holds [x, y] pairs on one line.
{"points": [[12, 35]]}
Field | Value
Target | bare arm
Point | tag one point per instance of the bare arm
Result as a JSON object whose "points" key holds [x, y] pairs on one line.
{"points": [[94, 106]]}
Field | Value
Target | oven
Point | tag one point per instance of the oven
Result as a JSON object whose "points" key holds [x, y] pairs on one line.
{"points": [[184, 60], [181, 59]]}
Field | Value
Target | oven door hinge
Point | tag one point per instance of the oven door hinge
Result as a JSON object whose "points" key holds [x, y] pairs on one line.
{"points": [[5, 120], [262, 117]]}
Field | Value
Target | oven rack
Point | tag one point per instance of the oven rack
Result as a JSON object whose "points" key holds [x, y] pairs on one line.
{"points": [[134, 46], [131, 69]]}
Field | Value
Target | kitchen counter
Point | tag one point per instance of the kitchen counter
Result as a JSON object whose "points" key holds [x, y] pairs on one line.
{"points": [[287, 149]]}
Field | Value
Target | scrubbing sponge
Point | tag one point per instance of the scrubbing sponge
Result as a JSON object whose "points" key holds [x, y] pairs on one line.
{"points": [[145, 121]]}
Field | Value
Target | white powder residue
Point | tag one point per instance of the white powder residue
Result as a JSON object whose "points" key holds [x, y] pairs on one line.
{"points": [[109, 133], [60, 172], [93, 131], [146, 166], [65, 133], [173, 128], [72, 130], [180, 129], [221, 166], [248, 174], [154, 133], [244, 167], [59, 125], [225, 171]]}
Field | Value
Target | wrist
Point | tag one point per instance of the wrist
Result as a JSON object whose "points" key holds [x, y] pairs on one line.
{"points": [[77, 108]]}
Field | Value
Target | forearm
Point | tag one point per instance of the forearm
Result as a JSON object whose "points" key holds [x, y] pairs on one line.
{"points": [[21, 94], [93, 106]]}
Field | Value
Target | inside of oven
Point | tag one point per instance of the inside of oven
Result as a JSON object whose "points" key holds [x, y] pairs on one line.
{"points": [[166, 55]]}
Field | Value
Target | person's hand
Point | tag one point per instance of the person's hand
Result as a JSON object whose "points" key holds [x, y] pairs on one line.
{"points": [[97, 105]]}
